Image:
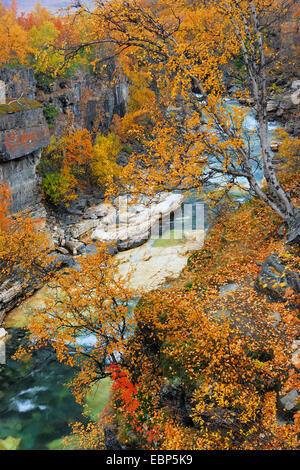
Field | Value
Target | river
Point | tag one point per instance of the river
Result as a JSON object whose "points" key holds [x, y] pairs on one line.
{"points": [[36, 408]]}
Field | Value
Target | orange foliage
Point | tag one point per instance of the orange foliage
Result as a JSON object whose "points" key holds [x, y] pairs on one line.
{"points": [[23, 247]]}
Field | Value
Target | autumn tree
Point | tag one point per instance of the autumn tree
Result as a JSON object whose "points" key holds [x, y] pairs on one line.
{"points": [[73, 161], [229, 357], [14, 41], [65, 164], [185, 47], [103, 165], [25, 38], [24, 247], [87, 320]]}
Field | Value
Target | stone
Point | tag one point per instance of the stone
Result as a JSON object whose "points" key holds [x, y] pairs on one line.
{"points": [[271, 106], [91, 216], [274, 278], [22, 135], [289, 401], [277, 318], [62, 250], [295, 98], [3, 334], [131, 226], [20, 82], [107, 97], [73, 246], [88, 250], [77, 206], [8, 294], [280, 112], [150, 268], [228, 288], [295, 85], [290, 101], [83, 227], [293, 233]]}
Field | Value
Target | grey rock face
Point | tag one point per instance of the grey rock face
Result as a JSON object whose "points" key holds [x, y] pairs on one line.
{"points": [[20, 176], [175, 397], [285, 108], [18, 81], [289, 401], [22, 135], [92, 99], [274, 278], [293, 234], [295, 85], [111, 440]]}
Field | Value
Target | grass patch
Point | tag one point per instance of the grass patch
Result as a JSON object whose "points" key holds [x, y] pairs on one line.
{"points": [[18, 106], [175, 238], [98, 397]]}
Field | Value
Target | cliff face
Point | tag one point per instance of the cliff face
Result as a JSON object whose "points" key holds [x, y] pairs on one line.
{"points": [[19, 82], [92, 100], [23, 133]]}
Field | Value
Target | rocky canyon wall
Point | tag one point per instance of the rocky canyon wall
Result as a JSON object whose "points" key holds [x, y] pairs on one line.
{"points": [[23, 133], [91, 100]]}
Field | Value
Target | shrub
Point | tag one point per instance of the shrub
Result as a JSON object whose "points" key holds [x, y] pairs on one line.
{"points": [[59, 186], [50, 112], [104, 166]]}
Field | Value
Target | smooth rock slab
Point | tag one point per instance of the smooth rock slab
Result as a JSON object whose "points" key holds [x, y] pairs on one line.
{"points": [[148, 268], [131, 225], [289, 401], [3, 333]]}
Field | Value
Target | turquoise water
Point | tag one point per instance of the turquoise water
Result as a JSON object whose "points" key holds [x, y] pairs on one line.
{"points": [[34, 403]]}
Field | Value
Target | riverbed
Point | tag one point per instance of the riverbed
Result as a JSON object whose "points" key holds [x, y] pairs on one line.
{"points": [[36, 407]]}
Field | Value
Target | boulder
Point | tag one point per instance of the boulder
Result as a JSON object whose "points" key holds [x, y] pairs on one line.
{"points": [[274, 278], [227, 289], [100, 210], [295, 85], [272, 106], [9, 294], [3, 334], [130, 226], [83, 227], [290, 400], [293, 234], [62, 250], [73, 246], [295, 98]]}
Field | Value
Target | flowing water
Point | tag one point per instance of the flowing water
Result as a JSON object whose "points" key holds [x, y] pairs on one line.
{"points": [[36, 407]]}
